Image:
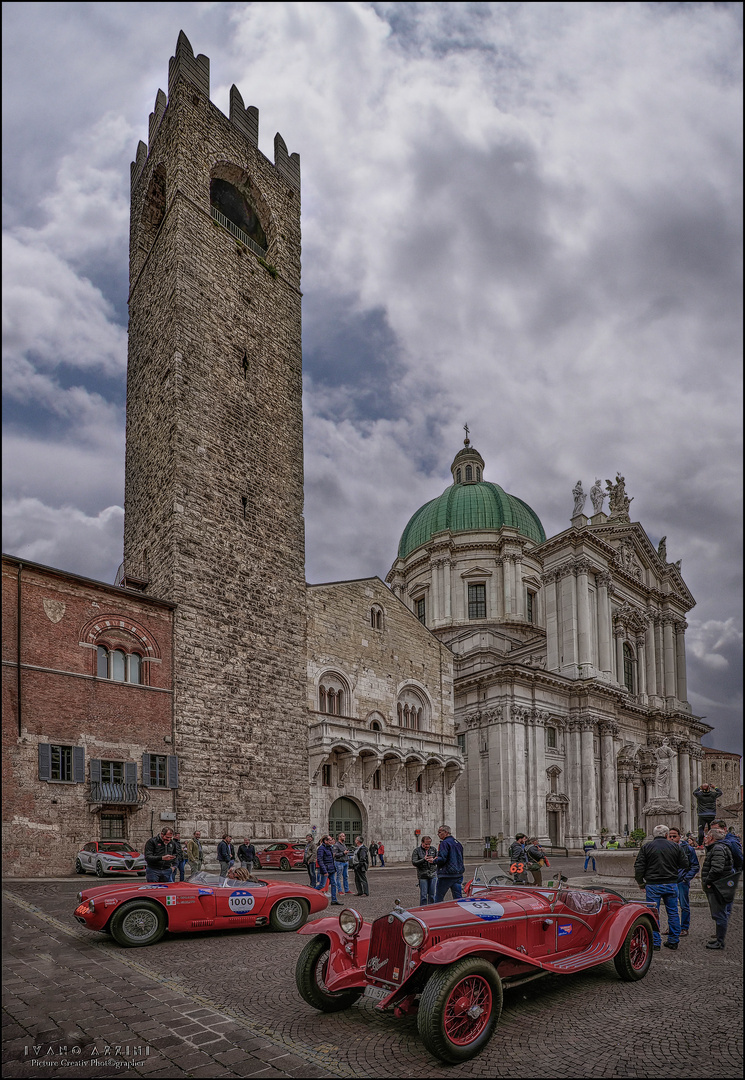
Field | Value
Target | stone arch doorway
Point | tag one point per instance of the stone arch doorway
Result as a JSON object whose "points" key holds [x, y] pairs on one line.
{"points": [[345, 816]]}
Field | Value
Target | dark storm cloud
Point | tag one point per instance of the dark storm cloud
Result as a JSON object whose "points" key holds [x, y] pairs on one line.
{"points": [[523, 216]]}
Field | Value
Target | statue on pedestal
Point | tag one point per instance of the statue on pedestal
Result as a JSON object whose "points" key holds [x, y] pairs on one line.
{"points": [[662, 549], [663, 777], [619, 500], [597, 495], [579, 499]]}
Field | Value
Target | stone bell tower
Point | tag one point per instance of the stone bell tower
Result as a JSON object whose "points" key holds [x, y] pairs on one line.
{"points": [[214, 465]]}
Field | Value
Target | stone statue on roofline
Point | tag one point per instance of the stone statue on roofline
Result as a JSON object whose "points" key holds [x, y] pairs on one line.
{"points": [[619, 500], [662, 549], [597, 495], [579, 499]]}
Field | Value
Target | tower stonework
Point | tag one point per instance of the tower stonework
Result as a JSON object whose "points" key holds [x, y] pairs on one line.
{"points": [[214, 462]]}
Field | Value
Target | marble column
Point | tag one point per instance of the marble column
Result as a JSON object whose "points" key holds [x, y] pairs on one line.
{"points": [[659, 654], [492, 609], [641, 667], [674, 783], [680, 659], [519, 591], [434, 592], [684, 769], [540, 823], [669, 647], [605, 629], [608, 778], [446, 586], [552, 620], [520, 790], [584, 642], [630, 803], [619, 657], [568, 624], [587, 780], [651, 674], [575, 824], [507, 585]]}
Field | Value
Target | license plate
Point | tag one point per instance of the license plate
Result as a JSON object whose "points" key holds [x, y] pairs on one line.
{"points": [[377, 993]]}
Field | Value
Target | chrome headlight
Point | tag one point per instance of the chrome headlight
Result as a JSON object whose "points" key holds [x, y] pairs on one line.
{"points": [[91, 906], [80, 898], [350, 922], [414, 932]]}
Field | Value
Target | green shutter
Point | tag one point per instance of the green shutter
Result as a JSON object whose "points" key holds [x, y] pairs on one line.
{"points": [[45, 761]]}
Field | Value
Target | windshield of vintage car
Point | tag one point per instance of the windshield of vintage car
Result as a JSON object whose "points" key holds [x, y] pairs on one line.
{"points": [[581, 901], [115, 847], [492, 874], [203, 878]]}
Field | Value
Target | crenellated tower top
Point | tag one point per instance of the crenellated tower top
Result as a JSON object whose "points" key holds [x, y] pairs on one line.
{"points": [[184, 65]]}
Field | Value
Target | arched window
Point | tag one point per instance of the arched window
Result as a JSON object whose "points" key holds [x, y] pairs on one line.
{"points": [[376, 618], [332, 695], [237, 208], [469, 473], [459, 476], [551, 738], [413, 710], [375, 726], [478, 473], [628, 668], [118, 665]]}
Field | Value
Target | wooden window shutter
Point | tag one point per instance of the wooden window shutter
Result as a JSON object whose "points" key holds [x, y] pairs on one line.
{"points": [[45, 761], [78, 764], [146, 770], [130, 772], [172, 771], [95, 770]]}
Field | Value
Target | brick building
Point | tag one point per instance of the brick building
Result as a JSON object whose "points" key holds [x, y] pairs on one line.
{"points": [[87, 716]]}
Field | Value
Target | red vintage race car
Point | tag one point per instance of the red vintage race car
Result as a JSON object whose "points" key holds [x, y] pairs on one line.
{"points": [[284, 855], [137, 915], [109, 857], [449, 963]]}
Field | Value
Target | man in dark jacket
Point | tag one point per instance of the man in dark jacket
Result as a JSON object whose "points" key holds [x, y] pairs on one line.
{"points": [[519, 859], [423, 858], [360, 863], [247, 854], [225, 854], [718, 864], [160, 856], [373, 849], [326, 866], [706, 806], [656, 870], [450, 866], [685, 877], [180, 857]]}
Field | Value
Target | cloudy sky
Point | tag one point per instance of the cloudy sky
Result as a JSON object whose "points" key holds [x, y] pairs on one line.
{"points": [[523, 216]]}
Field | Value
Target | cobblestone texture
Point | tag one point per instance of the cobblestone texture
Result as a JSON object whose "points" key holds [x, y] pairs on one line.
{"points": [[225, 1004]]}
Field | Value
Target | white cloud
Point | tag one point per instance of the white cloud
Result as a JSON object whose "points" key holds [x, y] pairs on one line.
{"points": [[65, 536]]}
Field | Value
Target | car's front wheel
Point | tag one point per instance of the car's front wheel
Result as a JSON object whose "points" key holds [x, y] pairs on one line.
{"points": [[310, 973], [138, 923], [79, 868], [635, 955], [459, 1009], [288, 915], [284, 864], [100, 870]]}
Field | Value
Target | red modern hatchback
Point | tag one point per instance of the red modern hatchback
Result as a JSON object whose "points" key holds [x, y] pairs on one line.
{"points": [[284, 855]]}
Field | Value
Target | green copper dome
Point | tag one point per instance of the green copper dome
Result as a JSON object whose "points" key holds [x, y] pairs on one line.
{"points": [[466, 507]]}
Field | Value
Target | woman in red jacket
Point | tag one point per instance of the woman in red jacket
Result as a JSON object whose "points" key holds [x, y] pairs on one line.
{"points": [[381, 853]]}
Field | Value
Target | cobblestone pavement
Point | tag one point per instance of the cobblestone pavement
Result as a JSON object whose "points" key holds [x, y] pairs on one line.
{"points": [[225, 1004]]}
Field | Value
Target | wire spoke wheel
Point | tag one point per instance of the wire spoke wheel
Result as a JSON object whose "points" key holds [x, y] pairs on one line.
{"points": [[639, 947], [288, 915], [140, 924], [459, 1009], [310, 978], [467, 1010], [635, 955]]}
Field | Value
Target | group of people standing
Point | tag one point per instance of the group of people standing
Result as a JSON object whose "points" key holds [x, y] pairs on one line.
{"points": [[328, 864], [527, 856], [665, 867], [439, 870]]}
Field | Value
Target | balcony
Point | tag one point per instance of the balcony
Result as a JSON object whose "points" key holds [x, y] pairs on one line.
{"points": [[118, 794]]}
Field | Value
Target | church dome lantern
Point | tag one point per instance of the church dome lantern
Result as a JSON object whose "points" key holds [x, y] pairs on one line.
{"points": [[470, 504]]}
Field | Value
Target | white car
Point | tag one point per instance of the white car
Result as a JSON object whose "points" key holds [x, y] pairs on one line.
{"points": [[104, 857]]}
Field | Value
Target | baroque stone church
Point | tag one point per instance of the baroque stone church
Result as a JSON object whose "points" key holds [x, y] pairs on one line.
{"points": [[500, 681]]}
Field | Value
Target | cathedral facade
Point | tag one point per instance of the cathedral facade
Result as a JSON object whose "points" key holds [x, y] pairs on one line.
{"points": [[569, 659]]}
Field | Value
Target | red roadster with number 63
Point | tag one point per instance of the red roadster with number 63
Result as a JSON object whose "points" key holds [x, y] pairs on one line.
{"points": [[449, 962], [138, 915]]}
